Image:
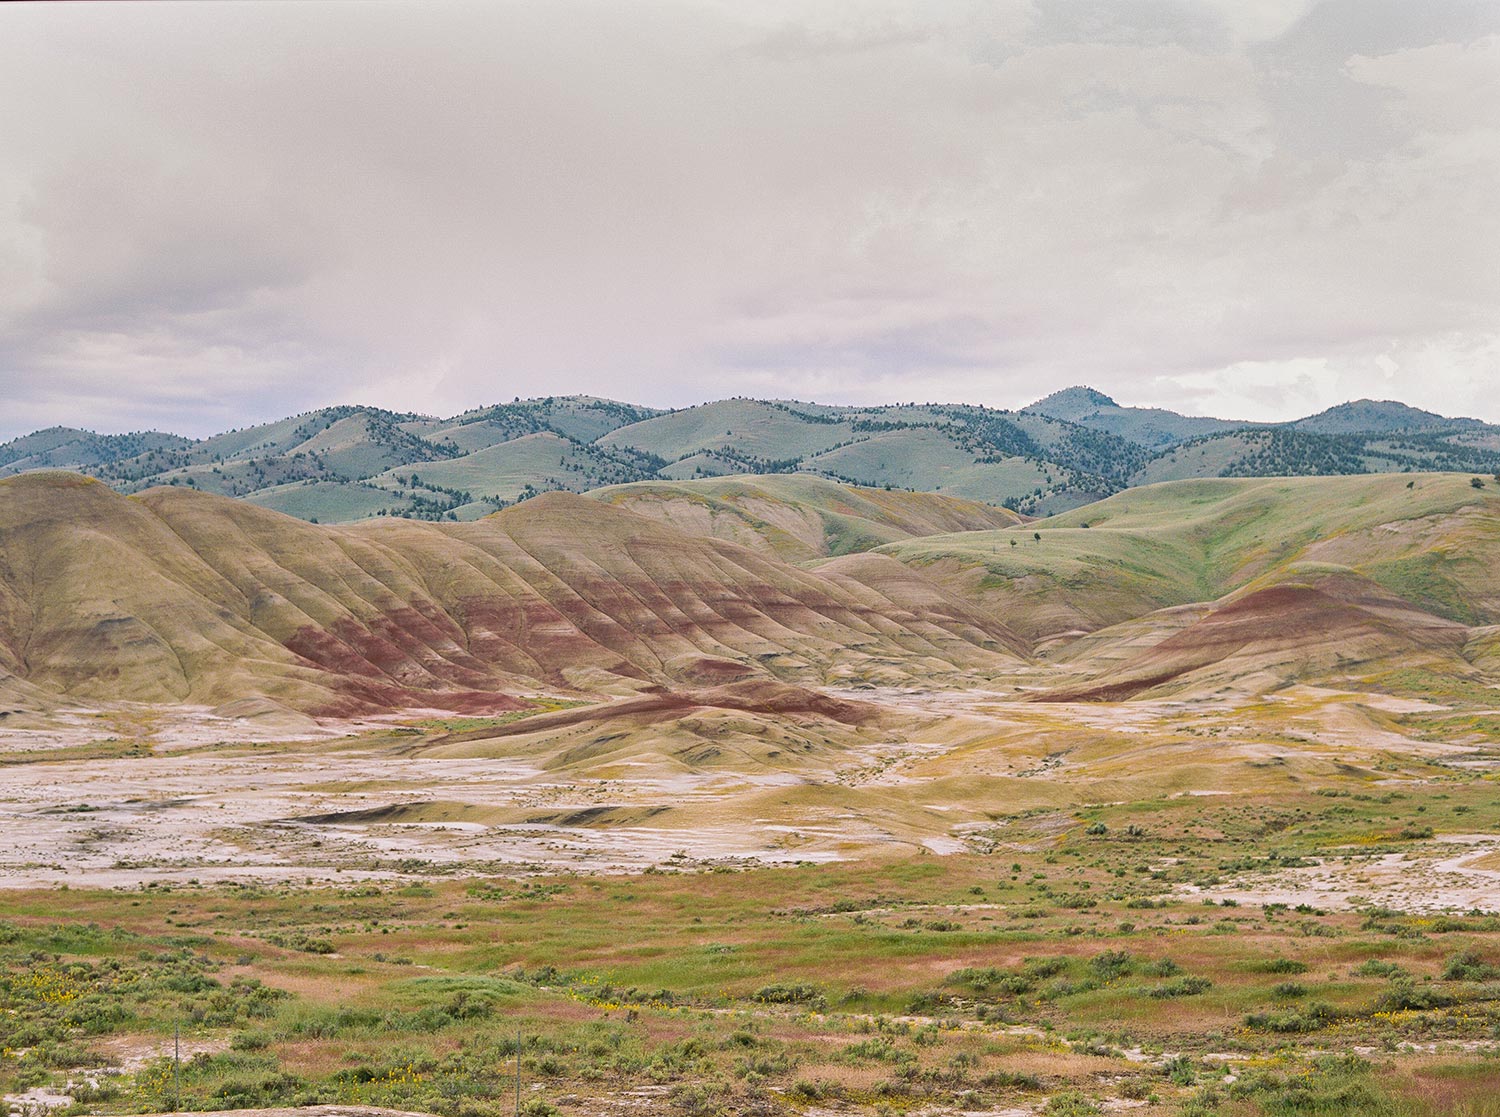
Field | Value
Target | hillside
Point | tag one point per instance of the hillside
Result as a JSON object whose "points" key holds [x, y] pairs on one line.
{"points": [[799, 517], [1287, 577], [344, 464], [69, 448], [1362, 436], [1296, 452], [1368, 416], [173, 595], [178, 596]]}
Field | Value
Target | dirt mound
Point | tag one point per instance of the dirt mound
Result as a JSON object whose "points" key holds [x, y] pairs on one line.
{"points": [[758, 696]]}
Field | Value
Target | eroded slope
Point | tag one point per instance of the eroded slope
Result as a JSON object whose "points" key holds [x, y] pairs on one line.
{"points": [[181, 596]]}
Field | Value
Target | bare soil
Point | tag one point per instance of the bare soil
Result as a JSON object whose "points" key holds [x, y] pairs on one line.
{"points": [[124, 796]]}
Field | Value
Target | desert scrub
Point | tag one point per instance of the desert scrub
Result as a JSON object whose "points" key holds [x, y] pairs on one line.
{"points": [[1333, 1085], [44, 998], [1071, 1103], [300, 940], [1180, 987], [797, 994], [1310, 1019], [1469, 965]]}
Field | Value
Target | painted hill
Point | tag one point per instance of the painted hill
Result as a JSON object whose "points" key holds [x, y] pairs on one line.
{"points": [[1194, 584], [1191, 587], [181, 596]]}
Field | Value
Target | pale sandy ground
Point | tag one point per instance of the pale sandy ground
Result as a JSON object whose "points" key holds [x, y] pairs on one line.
{"points": [[124, 1055], [1439, 875], [220, 798]]}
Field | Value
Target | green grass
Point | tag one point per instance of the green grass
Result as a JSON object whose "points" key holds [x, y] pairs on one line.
{"points": [[507, 470], [329, 502], [895, 983]]}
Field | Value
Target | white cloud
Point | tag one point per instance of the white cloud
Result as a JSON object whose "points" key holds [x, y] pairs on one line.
{"points": [[217, 213]]}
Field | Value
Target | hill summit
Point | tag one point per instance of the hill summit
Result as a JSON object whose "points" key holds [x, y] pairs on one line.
{"points": [[1071, 403]]}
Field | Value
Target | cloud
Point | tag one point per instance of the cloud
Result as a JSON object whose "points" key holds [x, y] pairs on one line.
{"points": [[219, 213]]}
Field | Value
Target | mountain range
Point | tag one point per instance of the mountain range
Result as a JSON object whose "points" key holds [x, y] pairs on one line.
{"points": [[349, 463]]}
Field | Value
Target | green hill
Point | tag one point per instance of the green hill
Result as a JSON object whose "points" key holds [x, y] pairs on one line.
{"points": [[70, 448], [1186, 541], [756, 431], [1368, 416], [1387, 562], [1290, 451], [1065, 451]]}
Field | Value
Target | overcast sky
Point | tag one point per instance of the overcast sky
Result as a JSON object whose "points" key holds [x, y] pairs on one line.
{"points": [[214, 214]]}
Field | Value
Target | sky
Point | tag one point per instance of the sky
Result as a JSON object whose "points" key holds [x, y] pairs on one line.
{"points": [[218, 214]]}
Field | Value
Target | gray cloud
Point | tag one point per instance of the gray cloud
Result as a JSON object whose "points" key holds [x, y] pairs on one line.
{"points": [[211, 214]]}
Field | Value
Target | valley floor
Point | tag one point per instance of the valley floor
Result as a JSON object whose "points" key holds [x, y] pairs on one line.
{"points": [[917, 902], [126, 796]]}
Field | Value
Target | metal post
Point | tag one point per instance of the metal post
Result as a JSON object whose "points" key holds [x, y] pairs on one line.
{"points": [[518, 1072], [176, 1064]]}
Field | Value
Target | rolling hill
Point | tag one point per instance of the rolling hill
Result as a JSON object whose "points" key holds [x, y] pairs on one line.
{"points": [[1203, 583], [1150, 427], [70, 448], [1188, 587], [800, 517], [1362, 436], [180, 596], [344, 464]]}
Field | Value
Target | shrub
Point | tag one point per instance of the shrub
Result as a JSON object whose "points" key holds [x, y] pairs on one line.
{"points": [[1468, 965], [1180, 987], [1282, 965], [789, 995], [1070, 1103], [1112, 964]]}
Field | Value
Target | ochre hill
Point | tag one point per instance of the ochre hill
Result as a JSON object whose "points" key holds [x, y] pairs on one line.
{"points": [[174, 595], [1199, 587], [799, 516]]}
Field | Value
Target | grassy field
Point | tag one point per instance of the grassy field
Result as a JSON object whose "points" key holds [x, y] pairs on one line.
{"points": [[1071, 968]]}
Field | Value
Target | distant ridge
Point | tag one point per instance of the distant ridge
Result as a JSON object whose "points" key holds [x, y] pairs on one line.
{"points": [[1368, 416], [1073, 447]]}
